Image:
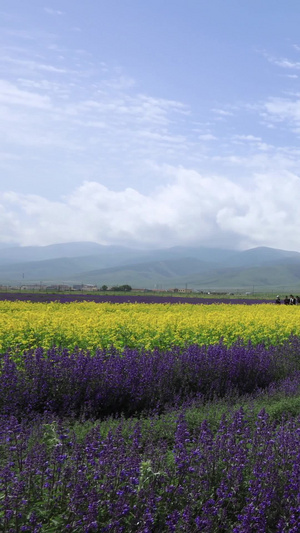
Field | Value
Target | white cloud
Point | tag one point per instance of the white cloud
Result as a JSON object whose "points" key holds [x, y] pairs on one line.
{"points": [[207, 137], [286, 63], [282, 62], [11, 95], [222, 112], [26, 65], [283, 109], [269, 219], [192, 208], [50, 11], [97, 121], [247, 138]]}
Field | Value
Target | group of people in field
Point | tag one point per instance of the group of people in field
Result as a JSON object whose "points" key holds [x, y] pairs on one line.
{"points": [[288, 300]]}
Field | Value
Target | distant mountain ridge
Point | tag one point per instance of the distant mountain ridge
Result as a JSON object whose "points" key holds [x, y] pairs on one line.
{"points": [[196, 267]]}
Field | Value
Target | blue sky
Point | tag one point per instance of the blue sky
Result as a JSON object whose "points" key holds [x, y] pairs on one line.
{"points": [[150, 123]]}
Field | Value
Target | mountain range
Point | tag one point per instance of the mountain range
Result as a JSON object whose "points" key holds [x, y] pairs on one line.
{"points": [[198, 268]]}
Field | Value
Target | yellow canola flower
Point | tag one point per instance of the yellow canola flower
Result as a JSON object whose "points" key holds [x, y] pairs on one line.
{"points": [[90, 325]]}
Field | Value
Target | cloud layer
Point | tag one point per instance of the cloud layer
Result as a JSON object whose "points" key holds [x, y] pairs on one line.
{"points": [[193, 209]]}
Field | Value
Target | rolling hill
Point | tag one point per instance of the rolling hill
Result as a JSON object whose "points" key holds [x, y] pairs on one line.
{"points": [[197, 268]]}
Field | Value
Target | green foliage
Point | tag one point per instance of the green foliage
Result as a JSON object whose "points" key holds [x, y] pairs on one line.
{"points": [[121, 288]]}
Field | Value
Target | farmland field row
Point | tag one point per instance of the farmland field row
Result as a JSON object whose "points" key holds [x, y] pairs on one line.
{"points": [[88, 325], [179, 458]]}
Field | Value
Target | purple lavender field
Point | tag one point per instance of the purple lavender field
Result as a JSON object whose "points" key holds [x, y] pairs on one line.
{"points": [[124, 298], [106, 384], [151, 441], [241, 477]]}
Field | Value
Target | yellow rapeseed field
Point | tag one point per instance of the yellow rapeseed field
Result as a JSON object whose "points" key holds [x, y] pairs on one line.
{"points": [[92, 325]]}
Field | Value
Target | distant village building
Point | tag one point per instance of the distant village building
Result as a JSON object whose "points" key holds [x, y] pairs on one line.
{"points": [[185, 291], [159, 290], [57, 287], [32, 287], [85, 287]]}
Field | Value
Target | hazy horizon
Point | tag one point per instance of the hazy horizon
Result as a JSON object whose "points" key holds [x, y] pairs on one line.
{"points": [[4, 245]]}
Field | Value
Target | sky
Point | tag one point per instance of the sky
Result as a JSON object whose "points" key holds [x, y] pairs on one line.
{"points": [[150, 124]]}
